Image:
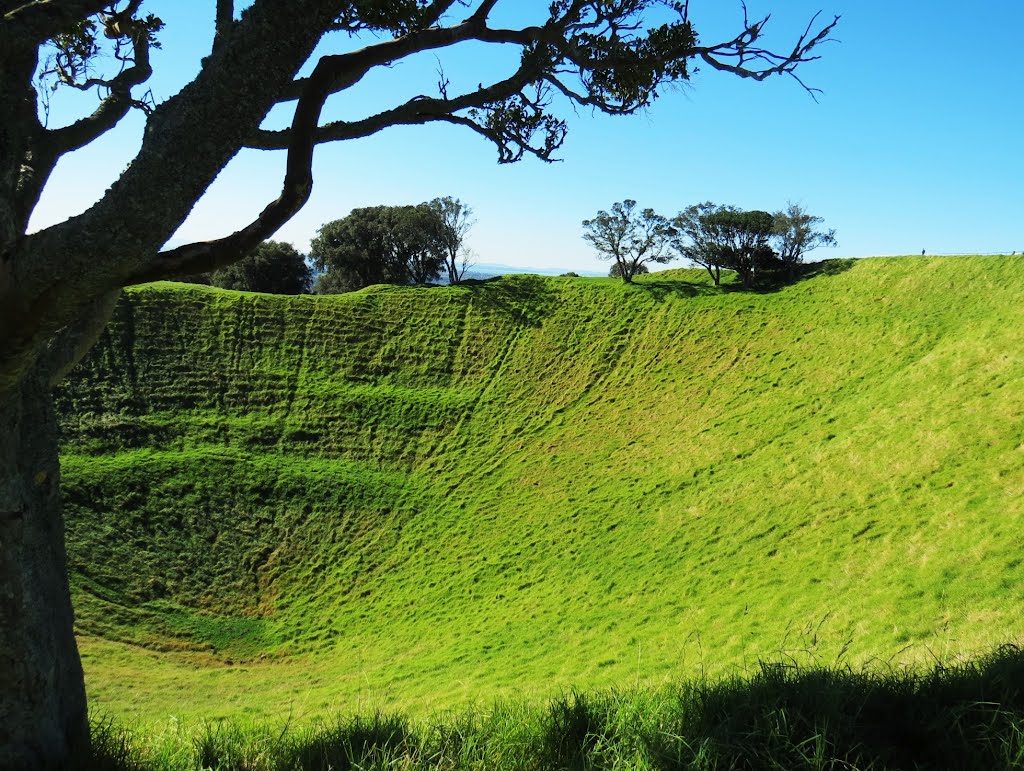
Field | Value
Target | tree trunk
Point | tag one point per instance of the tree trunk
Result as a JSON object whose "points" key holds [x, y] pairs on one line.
{"points": [[43, 721]]}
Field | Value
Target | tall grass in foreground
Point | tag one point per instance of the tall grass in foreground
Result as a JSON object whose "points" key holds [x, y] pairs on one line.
{"points": [[965, 715]]}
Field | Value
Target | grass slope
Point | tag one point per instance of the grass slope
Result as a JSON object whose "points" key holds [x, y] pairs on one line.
{"points": [[425, 497]]}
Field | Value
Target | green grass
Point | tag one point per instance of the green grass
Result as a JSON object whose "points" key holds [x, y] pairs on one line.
{"points": [[422, 499], [966, 716]]}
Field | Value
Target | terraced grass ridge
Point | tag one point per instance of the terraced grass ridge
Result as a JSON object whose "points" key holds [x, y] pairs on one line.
{"points": [[425, 498]]}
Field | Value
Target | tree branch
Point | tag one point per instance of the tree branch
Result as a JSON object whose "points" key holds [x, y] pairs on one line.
{"points": [[51, 145], [70, 344], [732, 56], [436, 10], [41, 20], [510, 149], [224, 21], [589, 100], [352, 66], [296, 189], [420, 109], [481, 14], [112, 108]]}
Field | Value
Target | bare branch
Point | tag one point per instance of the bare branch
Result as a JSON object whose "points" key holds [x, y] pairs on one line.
{"points": [[743, 57]]}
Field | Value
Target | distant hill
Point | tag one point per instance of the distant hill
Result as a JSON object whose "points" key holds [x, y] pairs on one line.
{"points": [[492, 269], [429, 496]]}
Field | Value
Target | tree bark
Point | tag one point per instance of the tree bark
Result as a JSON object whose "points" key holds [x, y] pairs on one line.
{"points": [[51, 279], [43, 719], [716, 274]]}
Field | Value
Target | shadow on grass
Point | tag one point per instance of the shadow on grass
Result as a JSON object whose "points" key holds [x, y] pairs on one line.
{"points": [[776, 280], [525, 298], [661, 289], [967, 715], [826, 268]]}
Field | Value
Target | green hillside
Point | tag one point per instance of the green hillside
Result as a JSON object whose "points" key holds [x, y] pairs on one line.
{"points": [[422, 497]]}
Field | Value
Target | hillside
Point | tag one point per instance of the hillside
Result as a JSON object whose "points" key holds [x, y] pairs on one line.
{"points": [[422, 497]]}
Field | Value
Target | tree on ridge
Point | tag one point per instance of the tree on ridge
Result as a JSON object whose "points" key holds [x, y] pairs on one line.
{"points": [[616, 272], [380, 245], [456, 219], [273, 266], [697, 240], [725, 237], [419, 236], [795, 233], [743, 241], [631, 238], [58, 285]]}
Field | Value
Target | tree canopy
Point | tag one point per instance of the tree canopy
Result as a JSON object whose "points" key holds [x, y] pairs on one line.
{"points": [[380, 245], [796, 232], [274, 267], [742, 240], [456, 221], [615, 271], [697, 239], [747, 242], [58, 284], [631, 238]]}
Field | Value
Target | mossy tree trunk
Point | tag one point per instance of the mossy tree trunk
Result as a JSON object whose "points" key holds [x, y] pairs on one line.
{"points": [[56, 290], [42, 693]]}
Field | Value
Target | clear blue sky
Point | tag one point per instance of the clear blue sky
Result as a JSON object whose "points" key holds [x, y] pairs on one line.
{"points": [[914, 144]]}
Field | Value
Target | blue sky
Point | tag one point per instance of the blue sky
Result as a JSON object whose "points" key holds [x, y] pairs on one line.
{"points": [[914, 144]]}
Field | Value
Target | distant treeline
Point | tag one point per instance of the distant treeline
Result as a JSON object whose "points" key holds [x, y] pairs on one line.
{"points": [[425, 243], [410, 245], [717, 238]]}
